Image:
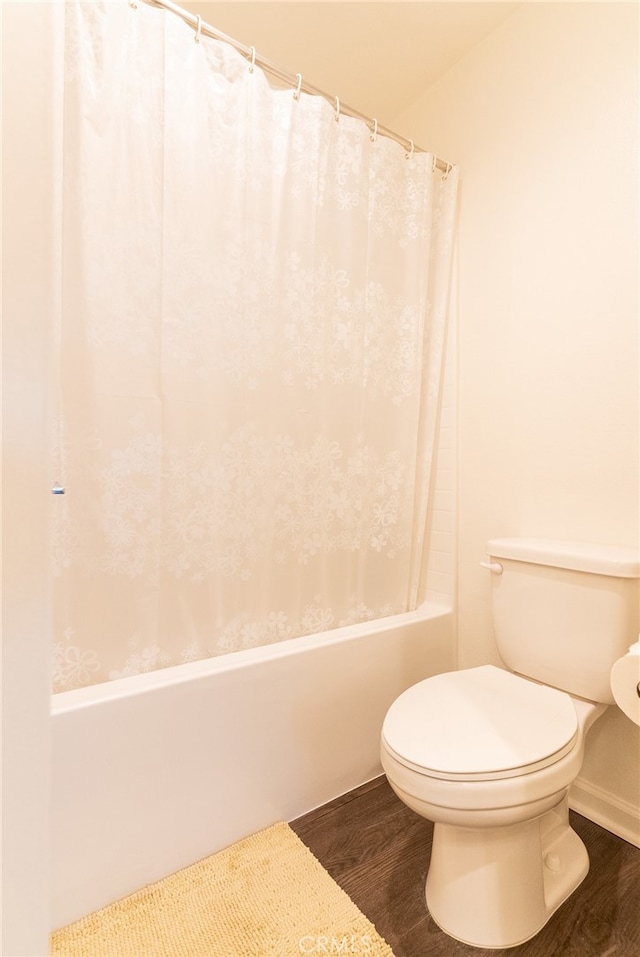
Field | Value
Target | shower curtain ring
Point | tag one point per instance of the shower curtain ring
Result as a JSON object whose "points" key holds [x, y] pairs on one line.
{"points": [[337, 116], [133, 4], [374, 134], [253, 59], [447, 171], [410, 153], [296, 92], [198, 29]]}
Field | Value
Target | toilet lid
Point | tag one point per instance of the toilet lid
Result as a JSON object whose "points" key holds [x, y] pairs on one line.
{"points": [[480, 723]]}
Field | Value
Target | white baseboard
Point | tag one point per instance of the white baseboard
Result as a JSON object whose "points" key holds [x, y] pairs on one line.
{"points": [[613, 813]]}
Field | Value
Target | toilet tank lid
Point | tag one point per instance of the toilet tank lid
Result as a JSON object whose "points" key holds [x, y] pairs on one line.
{"points": [[613, 560]]}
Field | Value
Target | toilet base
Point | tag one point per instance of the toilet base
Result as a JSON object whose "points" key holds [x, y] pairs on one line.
{"points": [[496, 887]]}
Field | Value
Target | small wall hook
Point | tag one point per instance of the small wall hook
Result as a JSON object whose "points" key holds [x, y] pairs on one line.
{"points": [[57, 489]]}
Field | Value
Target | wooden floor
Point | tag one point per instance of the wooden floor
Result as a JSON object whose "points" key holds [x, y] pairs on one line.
{"points": [[378, 851]]}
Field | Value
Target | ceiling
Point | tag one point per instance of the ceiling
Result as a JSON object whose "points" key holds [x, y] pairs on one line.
{"points": [[377, 57]]}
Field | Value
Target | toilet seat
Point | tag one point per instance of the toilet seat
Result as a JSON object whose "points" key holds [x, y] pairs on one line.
{"points": [[480, 724]]}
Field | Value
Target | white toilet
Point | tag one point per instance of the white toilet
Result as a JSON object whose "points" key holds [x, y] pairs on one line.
{"points": [[489, 754]]}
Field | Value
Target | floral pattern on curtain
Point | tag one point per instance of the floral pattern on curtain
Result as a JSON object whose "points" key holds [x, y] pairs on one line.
{"points": [[254, 302]]}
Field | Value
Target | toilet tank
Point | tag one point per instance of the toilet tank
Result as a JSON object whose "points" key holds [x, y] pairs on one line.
{"points": [[563, 612]]}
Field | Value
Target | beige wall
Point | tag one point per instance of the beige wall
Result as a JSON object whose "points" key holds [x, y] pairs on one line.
{"points": [[30, 41], [542, 119]]}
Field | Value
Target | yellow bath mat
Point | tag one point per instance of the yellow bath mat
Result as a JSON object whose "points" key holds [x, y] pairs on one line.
{"points": [[266, 896]]}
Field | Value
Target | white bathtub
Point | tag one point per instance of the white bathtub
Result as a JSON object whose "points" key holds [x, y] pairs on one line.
{"points": [[154, 772]]}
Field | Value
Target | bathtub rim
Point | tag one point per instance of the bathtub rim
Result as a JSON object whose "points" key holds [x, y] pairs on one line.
{"points": [[63, 702]]}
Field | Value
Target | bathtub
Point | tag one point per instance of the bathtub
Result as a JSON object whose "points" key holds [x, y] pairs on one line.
{"points": [[154, 772]]}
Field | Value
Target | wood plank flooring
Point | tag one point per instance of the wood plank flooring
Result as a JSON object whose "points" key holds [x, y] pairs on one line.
{"points": [[378, 851]]}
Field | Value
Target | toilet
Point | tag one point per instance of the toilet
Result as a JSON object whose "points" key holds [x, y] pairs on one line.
{"points": [[488, 754]]}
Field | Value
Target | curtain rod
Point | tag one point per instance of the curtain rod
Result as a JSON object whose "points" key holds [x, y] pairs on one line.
{"points": [[295, 81]]}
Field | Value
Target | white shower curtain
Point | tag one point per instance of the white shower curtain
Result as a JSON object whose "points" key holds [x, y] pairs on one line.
{"points": [[254, 300]]}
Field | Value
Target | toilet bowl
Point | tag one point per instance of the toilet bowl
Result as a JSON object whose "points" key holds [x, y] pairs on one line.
{"points": [[484, 746], [488, 754]]}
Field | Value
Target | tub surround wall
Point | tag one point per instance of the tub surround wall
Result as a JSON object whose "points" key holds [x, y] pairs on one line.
{"points": [[439, 581], [542, 117], [155, 772]]}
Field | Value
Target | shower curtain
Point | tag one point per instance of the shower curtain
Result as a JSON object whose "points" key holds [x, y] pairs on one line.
{"points": [[254, 294]]}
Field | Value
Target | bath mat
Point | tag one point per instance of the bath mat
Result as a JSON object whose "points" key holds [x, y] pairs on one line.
{"points": [[266, 896]]}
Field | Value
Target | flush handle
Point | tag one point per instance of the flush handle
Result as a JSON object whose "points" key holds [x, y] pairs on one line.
{"points": [[494, 567]]}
